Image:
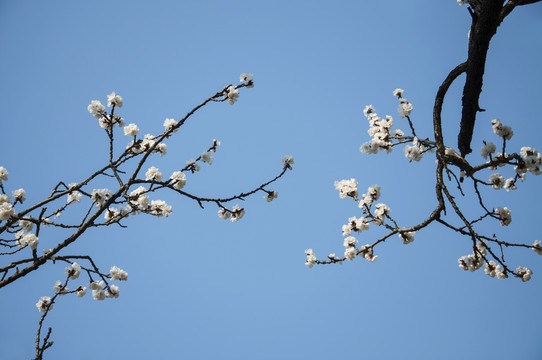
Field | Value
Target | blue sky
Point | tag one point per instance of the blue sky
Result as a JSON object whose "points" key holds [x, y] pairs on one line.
{"points": [[204, 288]]}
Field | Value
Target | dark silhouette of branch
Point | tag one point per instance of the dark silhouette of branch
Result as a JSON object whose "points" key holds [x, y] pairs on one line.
{"points": [[485, 20]]}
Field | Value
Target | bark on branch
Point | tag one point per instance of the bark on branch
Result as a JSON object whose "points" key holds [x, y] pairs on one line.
{"points": [[485, 20]]}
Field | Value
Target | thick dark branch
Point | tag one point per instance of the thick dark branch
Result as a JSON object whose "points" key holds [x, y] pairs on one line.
{"points": [[484, 26], [511, 4], [439, 99]]}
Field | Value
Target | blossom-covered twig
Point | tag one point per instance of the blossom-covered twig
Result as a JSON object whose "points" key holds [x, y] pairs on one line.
{"points": [[130, 196], [384, 138]]}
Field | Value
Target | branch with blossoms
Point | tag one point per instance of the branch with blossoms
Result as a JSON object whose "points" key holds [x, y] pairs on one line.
{"points": [[452, 171], [128, 192]]}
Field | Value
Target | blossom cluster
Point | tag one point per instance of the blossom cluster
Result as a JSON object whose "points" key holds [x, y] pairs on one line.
{"points": [[7, 209], [109, 202], [347, 188], [100, 290], [504, 214], [235, 214], [287, 161], [380, 130], [414, 152], [311, 258], [98, 111], [532, 161], [140, 146], [501, 130], [138, 200]]}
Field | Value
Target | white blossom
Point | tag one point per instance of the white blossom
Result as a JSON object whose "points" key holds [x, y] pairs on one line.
{"points": [[100, 196], [536, 247], [271, 196], [247, 79], [81, 291], [373, 194], [44, 304], [6, 211], [407, 237], [224, 214], [287, 161], [161, 148], [160, 208], [492, 269], [153, 174], [369, 147], [113, 292], [143, 145], [470, 262], [28, 239], [19, 195], [524, 273], [237, 213], [381, 211], [4, 198], [355, 224], [501, 130], [398, 92], [118, 120], [131, 130], [414, 153], [178, 180], [141, 199], [232, 95], [488, 149], [350, 241], [96, 285], [74, 196], [98, 294], [500, 273], [311, 258], [125, 211], [532, 161], [170, 124], [368, 109], [505, 215], [347, 188], [404, 108], [59, 289], [118, 274], [96, 109], [510, 184], [106, 123], [496, 180], [114, 99], [26, 225], [350, 252], [194, 166], [207, 157], [367, 253], [111, 214], [3, 174], [74, 271]]}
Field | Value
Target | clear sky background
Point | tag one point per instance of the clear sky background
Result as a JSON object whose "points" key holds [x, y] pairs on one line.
{"points": [[203, 288]]}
